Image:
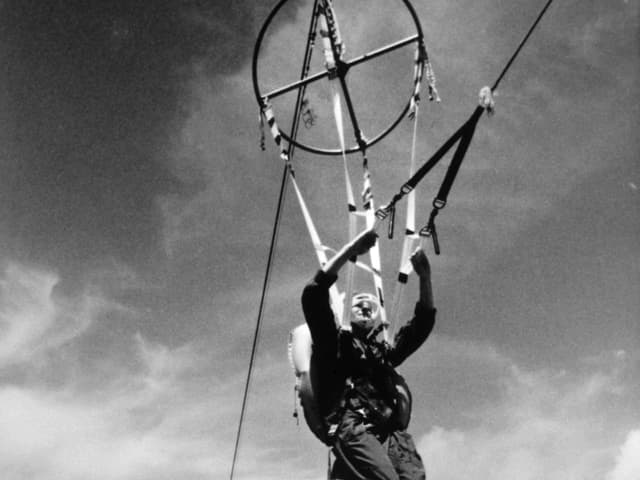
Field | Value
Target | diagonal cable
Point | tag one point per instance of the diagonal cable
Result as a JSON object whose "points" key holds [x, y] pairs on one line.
{"points": [[274, 239]]}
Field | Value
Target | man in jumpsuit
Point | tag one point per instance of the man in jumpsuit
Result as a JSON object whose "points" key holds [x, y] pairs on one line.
{"points": [[357, 384]]}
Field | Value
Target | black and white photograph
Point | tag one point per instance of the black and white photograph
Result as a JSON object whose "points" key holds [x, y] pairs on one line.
{"points": [[319, 240]]}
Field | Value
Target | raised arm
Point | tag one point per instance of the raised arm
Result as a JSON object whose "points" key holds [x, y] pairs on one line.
{"points": [[315, 296], [415, 331], [423, 270], [359, 245]]}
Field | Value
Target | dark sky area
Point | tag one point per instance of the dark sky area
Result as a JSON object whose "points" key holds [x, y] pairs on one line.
{"points": [[93, 93]]}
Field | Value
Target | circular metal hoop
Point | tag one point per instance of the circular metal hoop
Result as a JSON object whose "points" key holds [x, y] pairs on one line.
{"points": [[363, 144]]}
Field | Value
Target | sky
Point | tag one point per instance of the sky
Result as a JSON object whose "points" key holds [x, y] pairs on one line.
{"points": [[137, 208]]}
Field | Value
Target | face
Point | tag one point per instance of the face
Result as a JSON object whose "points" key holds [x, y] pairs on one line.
{"points": [[361, 317]]}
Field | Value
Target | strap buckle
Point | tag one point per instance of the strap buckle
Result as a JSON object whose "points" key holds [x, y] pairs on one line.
{"points": [[392, 221], [429, 230]]}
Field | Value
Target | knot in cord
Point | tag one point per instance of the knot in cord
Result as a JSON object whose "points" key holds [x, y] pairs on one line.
{"points": [[485, 99], [431, 82]]}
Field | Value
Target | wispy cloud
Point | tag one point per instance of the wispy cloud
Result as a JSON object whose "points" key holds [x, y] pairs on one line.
{"points": [[148, 414], [162, 411], [543, 424], [628, 460], [154, 422], [32, 319], [143, 410]]}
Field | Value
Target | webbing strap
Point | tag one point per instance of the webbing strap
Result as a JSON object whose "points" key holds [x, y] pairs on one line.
{"points": [[320, 249], [374, 252], [334, 293], [332, 46], [410, 184], [410, 224], [410, 236], [440, 200], [369, 214], [351, 204], [466, 135]]}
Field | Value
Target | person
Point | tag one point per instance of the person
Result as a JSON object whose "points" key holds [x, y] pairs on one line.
{"points": [[358, 389]]}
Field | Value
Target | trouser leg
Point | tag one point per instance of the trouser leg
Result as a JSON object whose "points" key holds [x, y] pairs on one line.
{"points": [[361, 449], [405, 457]]}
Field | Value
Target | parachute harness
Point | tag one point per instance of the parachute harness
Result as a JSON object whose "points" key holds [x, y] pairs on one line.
{"points": [[333, 51], [463, 135]]}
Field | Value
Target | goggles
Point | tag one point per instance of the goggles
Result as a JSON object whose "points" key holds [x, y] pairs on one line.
{"points": [[364, 306]]}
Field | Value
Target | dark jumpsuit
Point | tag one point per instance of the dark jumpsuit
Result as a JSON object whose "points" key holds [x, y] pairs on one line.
{"points": [[355, 389]]}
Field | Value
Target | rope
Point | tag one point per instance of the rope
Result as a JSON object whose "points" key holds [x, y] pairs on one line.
{"points": [[274, 235], [486, 103], [524, 40], [256, 335], [463, 135]]}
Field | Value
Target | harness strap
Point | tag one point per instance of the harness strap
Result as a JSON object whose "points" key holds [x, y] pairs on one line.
{"points": [[367, 195], [320, 248], [466, 135], [374, 252], [410, 236], [351, 204], [466, 130], [333, 49], [440, 201], [410, 184]]}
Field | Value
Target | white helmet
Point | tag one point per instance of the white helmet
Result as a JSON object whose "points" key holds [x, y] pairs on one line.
{"points": [[365, 306]]}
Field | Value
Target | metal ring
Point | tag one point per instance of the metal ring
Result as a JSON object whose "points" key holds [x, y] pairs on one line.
{"points": [[262, 99]]}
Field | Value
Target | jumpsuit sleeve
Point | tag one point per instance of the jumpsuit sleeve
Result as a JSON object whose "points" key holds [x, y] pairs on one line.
{"points": [[318, 313], [413, 334]]}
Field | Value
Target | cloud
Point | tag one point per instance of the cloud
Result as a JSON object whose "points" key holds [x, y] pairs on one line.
{"points": [[160, 411], [80, 402], [544, 424], [628, 460], [77, 402], [152, 422], [32, 320], [601, 28]]}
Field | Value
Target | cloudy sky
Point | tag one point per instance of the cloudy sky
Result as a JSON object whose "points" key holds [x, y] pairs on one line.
{"points": [[136, 210]]}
